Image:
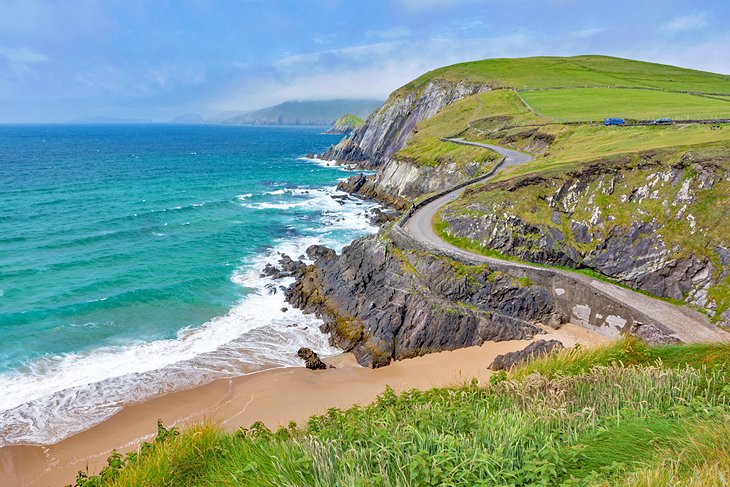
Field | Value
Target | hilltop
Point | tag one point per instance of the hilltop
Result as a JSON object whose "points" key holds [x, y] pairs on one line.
{"points": [[317, 113], [345, 125], [543, 72], [643, 206]]}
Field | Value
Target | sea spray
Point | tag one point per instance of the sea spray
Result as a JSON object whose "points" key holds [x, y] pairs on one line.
{"points": [[176, 232]]}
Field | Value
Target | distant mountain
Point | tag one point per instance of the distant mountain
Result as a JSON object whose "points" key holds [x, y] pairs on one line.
{"points": [[188, 118], [324, 112], [110, 120], [225, 116]]}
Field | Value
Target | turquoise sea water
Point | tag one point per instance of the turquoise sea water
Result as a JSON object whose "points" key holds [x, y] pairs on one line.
{"points": [[130, 259]]}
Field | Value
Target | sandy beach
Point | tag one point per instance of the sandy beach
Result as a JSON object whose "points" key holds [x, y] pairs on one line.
{"points": [[274, 396]]}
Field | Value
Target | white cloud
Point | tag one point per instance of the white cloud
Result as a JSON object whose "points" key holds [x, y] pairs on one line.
{"points": [[116, 80], [369, 71], [352, 54], [587, 32], [22, 55], [16, 64], [392, 33], [324, 38], [687, 22]]}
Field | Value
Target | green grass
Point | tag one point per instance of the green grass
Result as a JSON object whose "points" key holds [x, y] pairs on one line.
{"points": [[431, 151], [624, 174], [595, 416], [628, 351], [598, 103], [425, 147], [501, 118], [348, 121], [577, 71]]}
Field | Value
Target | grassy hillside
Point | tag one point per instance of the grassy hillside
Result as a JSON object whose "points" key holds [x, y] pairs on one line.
{"points": [[349, 121], [625, 161], [622, 414], [501, 117], [345, 124], [305, 112], [580, 104], [577, 71]]}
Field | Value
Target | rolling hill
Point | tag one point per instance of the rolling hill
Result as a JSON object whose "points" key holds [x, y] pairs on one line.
{"points": [[319, 113]]}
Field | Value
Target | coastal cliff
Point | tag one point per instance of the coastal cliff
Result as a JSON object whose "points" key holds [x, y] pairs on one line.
{"points": [[384, 303], [399, 182], [386, 130], [624, 204], [649, 221]]}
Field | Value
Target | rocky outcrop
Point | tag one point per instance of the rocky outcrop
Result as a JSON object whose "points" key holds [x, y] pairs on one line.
{"points": [[367, 187], [383, 303], [398, 183], [320, 253], [311, 359], [288, 267], [643, 222], [386, 131], [530, 352]]}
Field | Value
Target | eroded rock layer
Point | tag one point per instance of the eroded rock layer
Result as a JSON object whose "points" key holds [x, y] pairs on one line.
{"points": [[386, 131], [384, 303], [648, 221]]}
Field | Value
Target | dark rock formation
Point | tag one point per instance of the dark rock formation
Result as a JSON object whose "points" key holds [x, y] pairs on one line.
{"points": [[368, 187], [311, 359], [640, 223], [383, 303], [289, 268], [530, 352], [320, 252], [652, 335], [379, 217], [272, 272], [353, 184], [290, 265]]}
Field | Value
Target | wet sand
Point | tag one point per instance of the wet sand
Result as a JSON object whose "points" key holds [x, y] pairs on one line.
{"points": [[274, 396]]}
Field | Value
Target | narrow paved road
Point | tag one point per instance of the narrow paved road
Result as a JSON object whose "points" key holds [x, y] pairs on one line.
{"points": [[689, 325]]}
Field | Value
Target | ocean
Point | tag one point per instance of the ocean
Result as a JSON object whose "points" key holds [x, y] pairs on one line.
{"points": [[130, 261]]}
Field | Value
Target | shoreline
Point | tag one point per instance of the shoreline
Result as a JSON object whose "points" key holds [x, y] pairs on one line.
{"points": [[273, 396]]}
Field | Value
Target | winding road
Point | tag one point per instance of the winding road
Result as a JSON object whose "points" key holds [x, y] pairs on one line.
{"points": [[688, 325]]}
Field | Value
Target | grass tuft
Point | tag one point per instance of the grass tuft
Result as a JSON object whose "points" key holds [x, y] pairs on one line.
{"points": [[619, 414]]}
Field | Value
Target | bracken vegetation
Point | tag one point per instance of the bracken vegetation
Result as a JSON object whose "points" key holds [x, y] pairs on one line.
{"points": [[621, 414]]}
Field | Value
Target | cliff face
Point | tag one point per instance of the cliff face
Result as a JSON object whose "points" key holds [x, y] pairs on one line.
{"points": [[386, 131], [398, 183], [385, 303], [648, 224]]}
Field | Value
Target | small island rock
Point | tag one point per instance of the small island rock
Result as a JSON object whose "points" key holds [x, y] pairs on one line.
{"points": [[311, 359], [532, 351]]}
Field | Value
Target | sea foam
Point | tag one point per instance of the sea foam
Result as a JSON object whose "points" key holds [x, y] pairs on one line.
{"points": [[57, 396]]}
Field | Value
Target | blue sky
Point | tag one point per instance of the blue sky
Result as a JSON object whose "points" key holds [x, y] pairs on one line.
{"points": [[157, 59]]}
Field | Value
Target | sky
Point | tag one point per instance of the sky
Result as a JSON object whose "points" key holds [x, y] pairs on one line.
{"points": [[63, 60]]}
